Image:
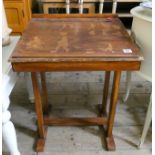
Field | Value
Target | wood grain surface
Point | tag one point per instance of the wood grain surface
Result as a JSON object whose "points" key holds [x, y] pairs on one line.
{"points": [[75, 37]]}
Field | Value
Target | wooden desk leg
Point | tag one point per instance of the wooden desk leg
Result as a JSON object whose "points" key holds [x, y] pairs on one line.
{"points": [[44, 93], [105, 93], [114, 96], [38, 108]]}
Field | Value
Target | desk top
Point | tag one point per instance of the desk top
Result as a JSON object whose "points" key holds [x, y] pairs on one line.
{"points": [[75, 37]]}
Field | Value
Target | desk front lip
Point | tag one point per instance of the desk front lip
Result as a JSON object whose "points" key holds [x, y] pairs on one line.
{"points": [[75, 66]]}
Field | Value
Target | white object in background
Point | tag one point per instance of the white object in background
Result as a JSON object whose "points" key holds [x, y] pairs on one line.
{"points": [[147, 122], [9, 79], [114, 6], [5, 29], [67, 6], [101, 5], [142, 34], [80, 6], [147, 4], [29, 87]]}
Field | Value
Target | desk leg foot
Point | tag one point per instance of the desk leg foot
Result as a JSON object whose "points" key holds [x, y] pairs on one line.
{"points": [[112, 110], [42, 130], [110, 143], [40, 143]]}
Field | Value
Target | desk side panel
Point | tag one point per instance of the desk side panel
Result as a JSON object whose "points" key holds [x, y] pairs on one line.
{"points": [[75, 66]]}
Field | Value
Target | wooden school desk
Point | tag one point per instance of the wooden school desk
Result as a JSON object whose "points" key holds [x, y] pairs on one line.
{"points": [[75, 43]]}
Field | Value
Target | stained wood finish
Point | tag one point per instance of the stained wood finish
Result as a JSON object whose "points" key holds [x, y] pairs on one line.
{"points": [[75, 43], [40, 143], [75, 66], [112, 110], [38, 105], [75, 121], [105, 92], [72, 15], [18, 13], [44, 93], [14, 13], [110, 143], [95, 37]]}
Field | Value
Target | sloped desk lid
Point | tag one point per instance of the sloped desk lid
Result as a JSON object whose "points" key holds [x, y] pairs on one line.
{"points": [[100, 37]]}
